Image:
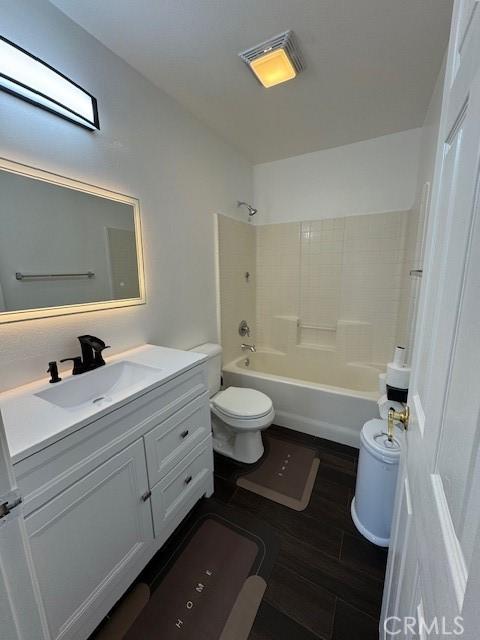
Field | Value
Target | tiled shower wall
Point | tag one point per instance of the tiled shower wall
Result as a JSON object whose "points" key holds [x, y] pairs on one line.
{"points": [[236, 243], [341, 283]]}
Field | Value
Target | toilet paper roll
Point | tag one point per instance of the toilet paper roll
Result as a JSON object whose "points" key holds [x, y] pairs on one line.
{"points": [[399, 356], [398, 377], [382, 384], [384, 404]]}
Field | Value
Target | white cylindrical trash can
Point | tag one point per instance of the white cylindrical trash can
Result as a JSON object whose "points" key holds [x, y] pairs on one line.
{"points": [[372, 506]]}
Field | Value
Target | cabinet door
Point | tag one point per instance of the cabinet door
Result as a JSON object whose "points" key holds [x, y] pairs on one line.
{"points": [[90, 535]]}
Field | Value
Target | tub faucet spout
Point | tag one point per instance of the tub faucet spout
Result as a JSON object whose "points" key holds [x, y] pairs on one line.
{"points": [[248, 347]]}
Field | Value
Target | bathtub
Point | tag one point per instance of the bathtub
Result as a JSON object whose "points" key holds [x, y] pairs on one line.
{"points": [[317, 397]]}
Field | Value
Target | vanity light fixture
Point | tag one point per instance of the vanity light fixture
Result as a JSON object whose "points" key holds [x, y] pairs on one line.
{"points": [[29, 78], [276, 60]]}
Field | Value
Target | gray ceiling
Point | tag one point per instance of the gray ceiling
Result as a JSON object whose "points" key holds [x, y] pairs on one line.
{"points": [[371, 64]]}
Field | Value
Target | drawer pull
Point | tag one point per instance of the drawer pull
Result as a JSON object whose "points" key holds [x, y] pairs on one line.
{"points": [[188, 480], [184, 434], [146, 496]]}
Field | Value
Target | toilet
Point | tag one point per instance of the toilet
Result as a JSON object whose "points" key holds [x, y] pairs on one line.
{"points": [[239, 415]]}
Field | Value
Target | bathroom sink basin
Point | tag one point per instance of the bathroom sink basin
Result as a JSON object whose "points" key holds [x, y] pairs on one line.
{"points": [[38, 414], [101, 386]]}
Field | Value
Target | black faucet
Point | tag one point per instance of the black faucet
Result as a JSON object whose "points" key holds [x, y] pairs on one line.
{"points": [[91, 357], [77, 365], [53, 371], [92, 348]]}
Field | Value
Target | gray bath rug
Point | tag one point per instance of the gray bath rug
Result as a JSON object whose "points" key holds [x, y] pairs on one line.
{"points": [[286, 474]]}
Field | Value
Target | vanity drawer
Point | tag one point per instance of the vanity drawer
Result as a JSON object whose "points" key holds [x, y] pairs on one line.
{"points": [[178, 491], [172, 440]]}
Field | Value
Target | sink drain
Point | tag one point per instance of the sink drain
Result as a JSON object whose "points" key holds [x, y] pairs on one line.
{"points": [[98, 399]]}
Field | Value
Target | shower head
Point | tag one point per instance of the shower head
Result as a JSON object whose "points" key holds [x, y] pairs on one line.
{"points": [[251, 210]]}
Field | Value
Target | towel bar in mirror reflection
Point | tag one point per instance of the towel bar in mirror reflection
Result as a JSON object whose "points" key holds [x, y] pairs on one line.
{"points": [[48, 276]]}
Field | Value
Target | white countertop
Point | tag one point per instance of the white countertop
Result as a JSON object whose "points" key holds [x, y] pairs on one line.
{"points": [[32, 423]]}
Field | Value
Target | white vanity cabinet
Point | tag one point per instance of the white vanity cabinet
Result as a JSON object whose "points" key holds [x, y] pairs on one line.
{"points": [[101, 501]]}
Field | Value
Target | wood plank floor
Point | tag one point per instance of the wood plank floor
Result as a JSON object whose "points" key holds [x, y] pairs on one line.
{"points": [[327, 581]]}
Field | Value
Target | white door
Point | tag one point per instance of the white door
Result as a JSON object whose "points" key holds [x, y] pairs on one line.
{"points": [[21, 616], [432, 587]]}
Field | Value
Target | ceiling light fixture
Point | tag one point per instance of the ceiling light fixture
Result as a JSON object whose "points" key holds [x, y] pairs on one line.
{"points": [[29, 78], [276, 60]]}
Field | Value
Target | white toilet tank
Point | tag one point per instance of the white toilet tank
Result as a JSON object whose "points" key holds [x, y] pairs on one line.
{"points": [[214, 364]]}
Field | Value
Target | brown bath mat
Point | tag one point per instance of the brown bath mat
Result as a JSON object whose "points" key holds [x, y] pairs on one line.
{"points": [[207, 587], [286, 474]]}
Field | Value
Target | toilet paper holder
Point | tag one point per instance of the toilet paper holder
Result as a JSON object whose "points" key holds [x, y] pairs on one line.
{"points": [[397, 416]]}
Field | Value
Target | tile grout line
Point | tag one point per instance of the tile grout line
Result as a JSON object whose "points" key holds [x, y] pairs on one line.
{"points": [[334, 616], [281, 532], [305, 579], [321, 586], [294, 619], [364, 613], [297, 621], [359, 569], [315, 585]]}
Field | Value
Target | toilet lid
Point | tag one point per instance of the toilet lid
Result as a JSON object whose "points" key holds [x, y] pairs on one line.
{"points": [[242, 403]]}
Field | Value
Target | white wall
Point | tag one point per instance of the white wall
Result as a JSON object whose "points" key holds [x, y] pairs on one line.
{"points": [[415, 238], [429, 139], [148, 147], [374, 176]]}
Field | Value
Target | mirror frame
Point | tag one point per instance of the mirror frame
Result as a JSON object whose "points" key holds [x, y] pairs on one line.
{"points": [[84, 307]]}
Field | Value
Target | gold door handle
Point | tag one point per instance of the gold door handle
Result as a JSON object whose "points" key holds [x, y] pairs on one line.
{"points": [[397, 416]]}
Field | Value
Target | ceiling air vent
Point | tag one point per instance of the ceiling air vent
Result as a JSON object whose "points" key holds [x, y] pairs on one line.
{"points": [[276, 60]]}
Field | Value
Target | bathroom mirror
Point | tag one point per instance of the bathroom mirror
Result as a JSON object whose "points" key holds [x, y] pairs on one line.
{"points": [[65, 246]]}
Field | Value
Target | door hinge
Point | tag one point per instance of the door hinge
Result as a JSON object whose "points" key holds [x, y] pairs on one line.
{"points": [[7, 507]]}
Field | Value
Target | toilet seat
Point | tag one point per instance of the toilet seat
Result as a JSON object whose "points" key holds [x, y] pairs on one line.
{"points": [[242, 404], [243, 409], [245, 424]]}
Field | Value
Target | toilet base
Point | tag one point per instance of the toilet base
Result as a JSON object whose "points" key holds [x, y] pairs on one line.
{"points": [[244, 447]]}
